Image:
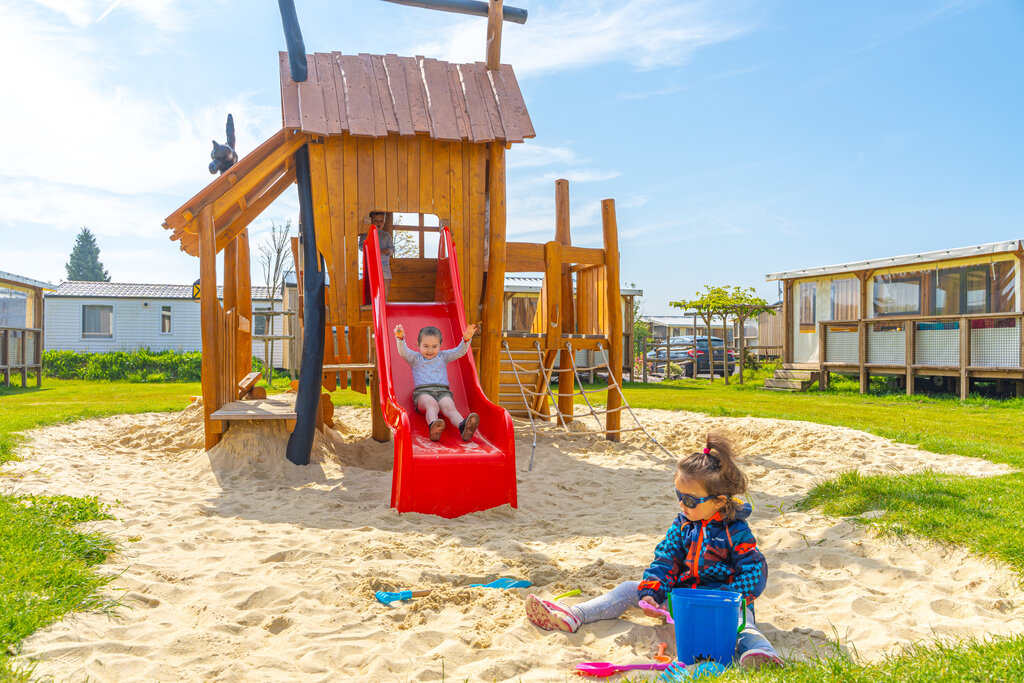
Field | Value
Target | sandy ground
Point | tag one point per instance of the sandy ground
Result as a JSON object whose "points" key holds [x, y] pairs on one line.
{"points": [[238, 566]]}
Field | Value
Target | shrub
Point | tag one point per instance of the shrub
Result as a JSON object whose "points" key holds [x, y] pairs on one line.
{"points": [[141, 365]]}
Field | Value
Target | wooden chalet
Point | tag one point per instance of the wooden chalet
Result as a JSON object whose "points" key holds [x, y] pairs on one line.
{"points": [[21, 331], [951, 316]]}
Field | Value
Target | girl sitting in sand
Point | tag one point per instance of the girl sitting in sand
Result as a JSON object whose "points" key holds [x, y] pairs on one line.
{"points": [[709, 545], [431, 394]]}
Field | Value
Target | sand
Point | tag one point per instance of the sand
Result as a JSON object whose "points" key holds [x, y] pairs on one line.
{"points": [[238, 566]]}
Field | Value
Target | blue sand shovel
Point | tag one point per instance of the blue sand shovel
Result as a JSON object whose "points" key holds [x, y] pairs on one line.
{"points": [[388, 598]]}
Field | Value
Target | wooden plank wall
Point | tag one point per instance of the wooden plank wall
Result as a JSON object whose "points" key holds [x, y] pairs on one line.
{"points": [[353, 176]]}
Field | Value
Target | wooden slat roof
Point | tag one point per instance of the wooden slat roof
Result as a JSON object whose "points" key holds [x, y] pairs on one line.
{"points": [[376, 95]]}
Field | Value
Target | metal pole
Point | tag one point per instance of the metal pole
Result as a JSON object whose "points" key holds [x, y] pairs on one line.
{"points": [[473, 7]]}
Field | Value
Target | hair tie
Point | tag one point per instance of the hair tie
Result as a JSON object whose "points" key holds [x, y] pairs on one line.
{"points": [[707, 451]]}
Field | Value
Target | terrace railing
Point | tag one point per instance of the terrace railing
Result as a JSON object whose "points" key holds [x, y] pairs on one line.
{"points": [[21, 351], [983, 346]]}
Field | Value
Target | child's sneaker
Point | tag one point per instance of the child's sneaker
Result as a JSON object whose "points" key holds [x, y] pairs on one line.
{"points": [[551, 616], [756, 658], [469, 425], [436, 429]]}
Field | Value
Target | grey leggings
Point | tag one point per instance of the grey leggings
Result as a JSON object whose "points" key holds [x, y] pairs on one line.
{"points": [[615, 602]]}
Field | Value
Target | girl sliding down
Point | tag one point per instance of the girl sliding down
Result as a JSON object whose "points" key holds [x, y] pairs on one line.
{"points": [[709, 545], [431, 394]]}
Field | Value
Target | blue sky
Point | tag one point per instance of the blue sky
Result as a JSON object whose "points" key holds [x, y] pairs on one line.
{"points": [[738, 138]]}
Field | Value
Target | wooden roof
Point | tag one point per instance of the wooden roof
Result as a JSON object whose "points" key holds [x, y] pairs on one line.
{"points": [[377, 95]]}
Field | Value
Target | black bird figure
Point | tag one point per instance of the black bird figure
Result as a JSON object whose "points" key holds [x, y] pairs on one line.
{"points": [[224, 156]]}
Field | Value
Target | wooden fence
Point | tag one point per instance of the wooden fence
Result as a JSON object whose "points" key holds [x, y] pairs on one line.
{"points": [[21, 350]]}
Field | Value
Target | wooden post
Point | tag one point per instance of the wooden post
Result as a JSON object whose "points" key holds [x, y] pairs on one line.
{"points": [[742, 333], [231, 302], [553, 283], [643, 358], [910, 354], [611, 260], [5, 359], [965, 357], [862, 332], [495, 12], [787, 322], [208, 321], [566, 381], [725, 350], [822, 354], [490, 335], [243, 304]]}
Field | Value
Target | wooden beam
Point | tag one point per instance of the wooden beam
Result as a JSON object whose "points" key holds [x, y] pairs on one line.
{"points": [[965, 357], [232, 229], [524, 257], [613, 420], [209, 318], [553, 284], [566, 379], [495, 12], [910, 333], [490, 337]]}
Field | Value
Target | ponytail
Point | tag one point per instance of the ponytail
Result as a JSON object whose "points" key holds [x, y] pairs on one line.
{"points": [[715, 469]]}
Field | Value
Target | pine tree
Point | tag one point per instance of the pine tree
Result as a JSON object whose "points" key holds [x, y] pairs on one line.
{"points": [[84, 264]]}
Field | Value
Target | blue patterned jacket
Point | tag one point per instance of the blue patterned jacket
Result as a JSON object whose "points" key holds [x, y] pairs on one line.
{"points": [[712, 554]]}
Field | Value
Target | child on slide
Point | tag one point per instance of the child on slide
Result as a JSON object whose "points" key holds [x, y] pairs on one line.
{"points": [[431, 394], [709, 546]]}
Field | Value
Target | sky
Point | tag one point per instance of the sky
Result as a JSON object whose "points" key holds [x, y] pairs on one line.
{"points": [[738, 137]]}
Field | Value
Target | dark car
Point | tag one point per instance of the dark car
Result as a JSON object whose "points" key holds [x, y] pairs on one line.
{"points": [[702, 364]]}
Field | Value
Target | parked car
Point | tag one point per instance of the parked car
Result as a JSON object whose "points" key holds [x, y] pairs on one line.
{"points": [[702, 364]]}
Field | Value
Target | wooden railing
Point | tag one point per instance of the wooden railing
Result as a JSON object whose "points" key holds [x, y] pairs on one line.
{"points": [[21, 350], [982, 346]]}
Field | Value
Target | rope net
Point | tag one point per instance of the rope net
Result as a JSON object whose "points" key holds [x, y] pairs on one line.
{"points": [[577, 390]]}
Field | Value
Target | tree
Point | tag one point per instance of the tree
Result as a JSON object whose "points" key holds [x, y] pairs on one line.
{"points": [[406, 245], [707, 304], [84, 264], [274, 258], [747, 304]]}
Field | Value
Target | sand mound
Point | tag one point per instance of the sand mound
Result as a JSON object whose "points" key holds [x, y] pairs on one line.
{"points": [[238, 565]]}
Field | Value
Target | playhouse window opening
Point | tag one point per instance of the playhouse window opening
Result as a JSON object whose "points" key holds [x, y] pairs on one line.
{"points": [[416, 235], [97, 322]]}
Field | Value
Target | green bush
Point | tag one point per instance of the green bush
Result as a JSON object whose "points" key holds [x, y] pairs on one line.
{"points": [[141, 365]]}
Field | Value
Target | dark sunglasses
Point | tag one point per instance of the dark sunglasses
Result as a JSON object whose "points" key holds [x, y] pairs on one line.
{"points": [[690, 501]]}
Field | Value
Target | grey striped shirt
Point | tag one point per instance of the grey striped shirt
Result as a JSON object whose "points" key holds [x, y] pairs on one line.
{"points": [[435, 370]]}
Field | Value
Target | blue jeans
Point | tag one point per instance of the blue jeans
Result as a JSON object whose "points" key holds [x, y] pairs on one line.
{"points": [[615, 602]]}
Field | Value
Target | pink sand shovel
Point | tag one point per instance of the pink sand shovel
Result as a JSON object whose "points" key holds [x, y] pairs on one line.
{"points": [[602, 669], [663, 612]]}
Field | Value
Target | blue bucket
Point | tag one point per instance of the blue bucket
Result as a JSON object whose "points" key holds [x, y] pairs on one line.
{"points": [[707, 623]]}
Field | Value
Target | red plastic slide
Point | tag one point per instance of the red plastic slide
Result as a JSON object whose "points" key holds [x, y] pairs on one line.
{"points": [[449, 477]]}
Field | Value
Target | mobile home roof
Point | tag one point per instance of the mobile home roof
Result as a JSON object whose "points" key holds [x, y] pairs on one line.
{"points": [[927, 257]]}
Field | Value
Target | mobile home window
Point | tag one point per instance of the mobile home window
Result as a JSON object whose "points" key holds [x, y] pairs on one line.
{"points": [[260, 323], [1004, 287], [165, 319], [846, 299], [97, 322], [898, 294], [808, 294]]}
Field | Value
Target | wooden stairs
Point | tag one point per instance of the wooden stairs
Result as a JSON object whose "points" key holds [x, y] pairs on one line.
{"points": [[529, 368], [792, 377]]}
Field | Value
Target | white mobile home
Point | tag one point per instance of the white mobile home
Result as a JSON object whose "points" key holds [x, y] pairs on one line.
{"points": [[96, 317], [954, 313]]}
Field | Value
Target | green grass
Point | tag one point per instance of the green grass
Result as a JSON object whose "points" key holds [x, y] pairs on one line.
{"points": [[68, 400], [46, 566]]}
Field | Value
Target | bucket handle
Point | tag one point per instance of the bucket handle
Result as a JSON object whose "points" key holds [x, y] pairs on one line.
{"points": [[743, 614]]}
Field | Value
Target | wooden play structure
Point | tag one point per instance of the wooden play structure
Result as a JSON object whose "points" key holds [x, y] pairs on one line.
{"points": [[365, 133]]}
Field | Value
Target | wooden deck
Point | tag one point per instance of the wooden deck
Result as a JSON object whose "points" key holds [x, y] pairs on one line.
{"points": [[275, 408]]}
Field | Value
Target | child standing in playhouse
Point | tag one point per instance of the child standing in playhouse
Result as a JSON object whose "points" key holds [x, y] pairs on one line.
{"points": [[431, 394], [385, 235], [709, 545]]}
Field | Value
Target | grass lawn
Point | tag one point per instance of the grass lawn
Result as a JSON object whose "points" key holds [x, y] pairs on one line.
{"points": [[47, 562]]}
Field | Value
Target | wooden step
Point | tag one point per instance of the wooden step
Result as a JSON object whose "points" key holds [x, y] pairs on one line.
{"points": [[796, 374], [788, 384]]}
